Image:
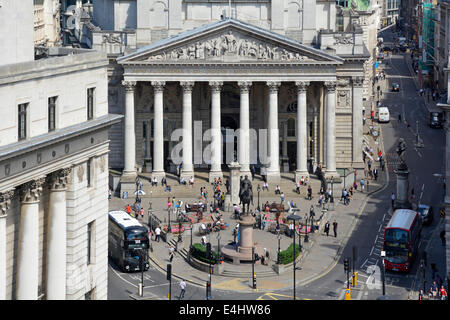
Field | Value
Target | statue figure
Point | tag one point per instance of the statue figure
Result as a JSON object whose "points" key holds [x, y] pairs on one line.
{"points": [[401, 148], [230, 42], [245, 194]]}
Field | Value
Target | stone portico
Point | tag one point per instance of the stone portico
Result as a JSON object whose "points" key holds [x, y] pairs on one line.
{"points": [[231, 75]]}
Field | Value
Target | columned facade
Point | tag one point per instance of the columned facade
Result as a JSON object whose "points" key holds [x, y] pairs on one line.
{"points": [[5, 201], [244, 130], [302, 131], [331, 130], [357, 136], [216, 134], [187, 170], [130, 140], [57, 236], [158, 124], [255, 81], [273, 170], [28, 244]]}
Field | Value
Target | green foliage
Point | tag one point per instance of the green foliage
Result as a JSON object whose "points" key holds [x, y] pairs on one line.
{"points": [[287, 256], [199, 253]]}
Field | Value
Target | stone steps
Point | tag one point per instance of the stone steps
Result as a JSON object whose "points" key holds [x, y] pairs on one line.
{"points": [[234, 273], [185, 191]]}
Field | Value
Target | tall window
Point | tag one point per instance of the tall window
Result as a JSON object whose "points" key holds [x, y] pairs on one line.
{"points": [[90, 242], [89, 172], [52, 113], [22, 125], [90, 103], [291, 127]]}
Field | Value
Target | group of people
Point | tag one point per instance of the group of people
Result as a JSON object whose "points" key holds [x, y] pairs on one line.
{"points": [[327, 228], [302, 182]]}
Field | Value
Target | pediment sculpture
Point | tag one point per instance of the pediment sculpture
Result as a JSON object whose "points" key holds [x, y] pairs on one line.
{"points": [[229, 44]]}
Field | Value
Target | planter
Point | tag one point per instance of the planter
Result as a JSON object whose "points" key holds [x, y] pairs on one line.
{"points": [[200, 265], [282, 268]]}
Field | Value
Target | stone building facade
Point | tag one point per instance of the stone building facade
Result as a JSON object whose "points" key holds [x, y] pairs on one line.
{"points": [[54, 169], [242, 66], [54, 177]]}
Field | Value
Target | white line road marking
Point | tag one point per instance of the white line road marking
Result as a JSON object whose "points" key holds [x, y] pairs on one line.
{"points": [[380, 227], [376, 238], [384, 215], [371, 251]]}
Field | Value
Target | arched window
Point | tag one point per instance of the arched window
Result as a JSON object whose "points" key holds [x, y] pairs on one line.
{"points": [[291, 127]]}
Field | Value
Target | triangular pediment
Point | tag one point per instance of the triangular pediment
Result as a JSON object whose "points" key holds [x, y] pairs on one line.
{"points": [[229, 41]]}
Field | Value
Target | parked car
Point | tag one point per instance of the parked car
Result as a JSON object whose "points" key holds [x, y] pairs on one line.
{"points": [[426, 213], [395, 87]]}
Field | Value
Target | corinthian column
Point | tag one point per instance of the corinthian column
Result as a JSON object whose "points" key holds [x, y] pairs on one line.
{"points": [[331, 129], [5, 201], [158, 124], [244, 130], [130, 138], [273, 172], [357, 122], [57, 235], [302, 131], [28, 243], [216, 134], [187, 169]]}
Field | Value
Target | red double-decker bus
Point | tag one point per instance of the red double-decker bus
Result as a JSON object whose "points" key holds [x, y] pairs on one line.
{"points": [[401, 240]]}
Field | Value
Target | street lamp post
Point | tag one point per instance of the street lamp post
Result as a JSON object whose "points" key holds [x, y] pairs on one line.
{"points": [[259, 190], [383, 270], [293, 218], [253, 268], [306, 229], [168, 227], [278, 252], [190, 247], [311, 217], [332, 193]]}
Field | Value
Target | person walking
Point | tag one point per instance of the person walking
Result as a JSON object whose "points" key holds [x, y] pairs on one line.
{"points": [[434, 290], [335, 225], [171, 253], [375, 173], [362, 184], [309, 192], [183, 289], [327, 227], [157, 234], [142, 213], [392, 200], [128, 209], [442, 236], [443, 293]]}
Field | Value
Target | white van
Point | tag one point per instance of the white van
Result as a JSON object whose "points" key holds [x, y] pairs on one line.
{"points": [[383, 114]]}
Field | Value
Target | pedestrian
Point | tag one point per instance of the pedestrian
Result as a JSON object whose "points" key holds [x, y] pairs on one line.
{"points": [[442, 235], [309, 192], [335, 225], [375, 173], [327, 227], [434, 290], [443, 293], [362, 185], [183, 289], [282, 197], [157, 234], [142, 213], [392, 200], [109, 193], [355, 186], [128, 209], [421, 295], [171, 253]]}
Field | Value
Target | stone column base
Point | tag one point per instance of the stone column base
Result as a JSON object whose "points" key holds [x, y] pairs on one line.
{"points": [[300, 174], [334, 174], [215, 175], [273, 177]]}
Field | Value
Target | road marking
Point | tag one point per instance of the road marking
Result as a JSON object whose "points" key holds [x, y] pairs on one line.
{"points": [[376, 238], [371, 251]]}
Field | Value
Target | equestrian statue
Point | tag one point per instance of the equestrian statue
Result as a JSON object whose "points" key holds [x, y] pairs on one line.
{"points": [[246, 194]]}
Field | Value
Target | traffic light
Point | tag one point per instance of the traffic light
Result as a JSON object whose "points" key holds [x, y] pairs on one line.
{"points": [[169, 271], [208, 290], [346, 264]]}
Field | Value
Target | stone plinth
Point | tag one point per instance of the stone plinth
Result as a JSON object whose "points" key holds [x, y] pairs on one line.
{"points": [[246, 223], [402, 201], [235, 179]]}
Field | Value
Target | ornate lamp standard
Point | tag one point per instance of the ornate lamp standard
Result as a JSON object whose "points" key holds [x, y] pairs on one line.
{"points": [[306, 229], [293, 218], [259, 190]]}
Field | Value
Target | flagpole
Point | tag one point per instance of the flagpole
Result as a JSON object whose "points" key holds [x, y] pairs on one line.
{"points": [[229, 9]]}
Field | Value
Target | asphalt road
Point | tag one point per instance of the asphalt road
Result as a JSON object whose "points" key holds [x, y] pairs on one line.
{"points": [[368, 233]]}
